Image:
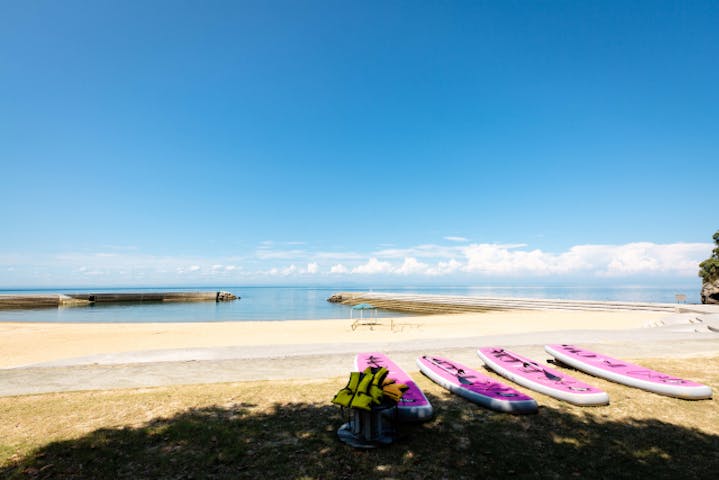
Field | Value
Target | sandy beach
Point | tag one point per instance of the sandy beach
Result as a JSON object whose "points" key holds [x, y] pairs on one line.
{"points": [[44, 357], [31, 343]]}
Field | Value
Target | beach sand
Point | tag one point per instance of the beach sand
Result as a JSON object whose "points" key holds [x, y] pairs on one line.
{"points": [[43, 357], [29, 343]]}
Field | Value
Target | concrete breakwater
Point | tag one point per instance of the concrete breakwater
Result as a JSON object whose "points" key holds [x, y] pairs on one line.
{"points": [[85, 299], [415, 303]]}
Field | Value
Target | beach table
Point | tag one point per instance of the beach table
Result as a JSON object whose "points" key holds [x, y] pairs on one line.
{"points": [[370, 319]]}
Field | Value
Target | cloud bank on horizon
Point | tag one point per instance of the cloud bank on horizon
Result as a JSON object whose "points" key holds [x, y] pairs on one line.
{"points": [[296, 263]]}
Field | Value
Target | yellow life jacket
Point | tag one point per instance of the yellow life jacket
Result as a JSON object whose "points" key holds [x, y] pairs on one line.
{"points": [[362, 398], [375, 387], [345, 395], [368, 388]]}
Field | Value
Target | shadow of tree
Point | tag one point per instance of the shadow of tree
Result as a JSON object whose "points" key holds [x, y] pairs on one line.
{"points": [[299, 441]]}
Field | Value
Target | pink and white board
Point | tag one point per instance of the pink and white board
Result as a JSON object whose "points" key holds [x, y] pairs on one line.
{"points": [[474, 386], [541, 378], [413, 406], [628, 374]]}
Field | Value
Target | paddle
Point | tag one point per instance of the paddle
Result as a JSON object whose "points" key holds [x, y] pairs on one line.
{"points": [[463, 380], [560, 364], [613, 365], [538, 367], [373, 362], [547, 374]]}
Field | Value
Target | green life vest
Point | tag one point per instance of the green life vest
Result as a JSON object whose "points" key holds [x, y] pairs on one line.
{"points": [[363, 389]]}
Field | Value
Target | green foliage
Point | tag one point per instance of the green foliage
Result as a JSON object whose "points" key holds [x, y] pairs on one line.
{"points": [[709, 268]]}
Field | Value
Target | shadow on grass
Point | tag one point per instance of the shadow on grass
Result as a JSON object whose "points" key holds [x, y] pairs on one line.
{"points": [[299, 441]]}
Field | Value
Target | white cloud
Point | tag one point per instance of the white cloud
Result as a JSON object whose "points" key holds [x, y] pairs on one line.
{"points": [[444, 268], [283, 272], [411, 267], [456, 239], [292, 269], [495, 259], [181, 270], [266, 254], [339, 268], [459, 262], [421, 251], [372, 267], [600, 260], [634, 258], [339, 256]]}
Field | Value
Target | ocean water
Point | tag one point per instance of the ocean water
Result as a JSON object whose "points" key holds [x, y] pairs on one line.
{"points": [[298, 303]]}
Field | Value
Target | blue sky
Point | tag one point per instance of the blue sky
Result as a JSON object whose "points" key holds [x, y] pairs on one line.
{"points": [[272, 142]]}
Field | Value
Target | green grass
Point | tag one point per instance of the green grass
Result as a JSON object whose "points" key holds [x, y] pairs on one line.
{"points": [[269, 430]]}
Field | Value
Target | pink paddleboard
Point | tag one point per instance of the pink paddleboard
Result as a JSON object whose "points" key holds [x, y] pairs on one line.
{"points": [[413, 405], [541, 378], [475, 386], [627, 373]]}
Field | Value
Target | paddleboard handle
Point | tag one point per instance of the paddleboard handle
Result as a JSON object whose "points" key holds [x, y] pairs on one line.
{"points": [[459, 371], [373, 361], [535, 367]]}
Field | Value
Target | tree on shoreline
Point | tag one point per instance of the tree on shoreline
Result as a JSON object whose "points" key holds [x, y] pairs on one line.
{"points": [[709, 268], [709, 271]]}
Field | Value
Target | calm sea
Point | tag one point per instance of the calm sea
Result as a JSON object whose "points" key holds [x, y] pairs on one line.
{"points": [[298, 303]]}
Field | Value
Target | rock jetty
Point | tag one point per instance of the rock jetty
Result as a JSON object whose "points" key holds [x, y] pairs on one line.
{"points": [[84, 299], [421, 304]]}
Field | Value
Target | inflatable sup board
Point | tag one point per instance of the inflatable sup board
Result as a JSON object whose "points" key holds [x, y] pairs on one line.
{"points": [[628, 374], [474, 386], [541, 378], [413, 406]]}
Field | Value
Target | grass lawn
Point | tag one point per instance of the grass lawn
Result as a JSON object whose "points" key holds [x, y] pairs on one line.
{"points": [[287, 430]]}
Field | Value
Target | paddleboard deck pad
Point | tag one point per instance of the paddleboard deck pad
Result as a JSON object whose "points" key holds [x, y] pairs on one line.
{"points": [[628, 374], [541, 378], [474, 386], [413, 406]]}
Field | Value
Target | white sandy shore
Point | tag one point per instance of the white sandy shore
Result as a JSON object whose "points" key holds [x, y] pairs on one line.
{"points": [[31, 343], [49, 357]]}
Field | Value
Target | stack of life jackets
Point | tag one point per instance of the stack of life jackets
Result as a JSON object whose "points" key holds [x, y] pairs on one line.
{"points": [[368, 388]]}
